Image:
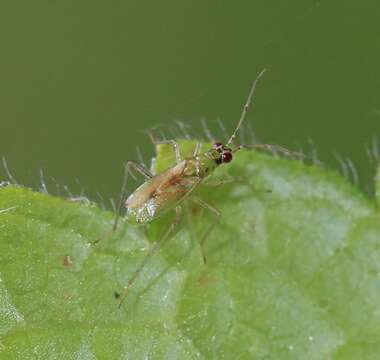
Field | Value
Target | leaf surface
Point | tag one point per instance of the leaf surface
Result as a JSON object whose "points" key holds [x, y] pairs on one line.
{"points": [[290, 274]]}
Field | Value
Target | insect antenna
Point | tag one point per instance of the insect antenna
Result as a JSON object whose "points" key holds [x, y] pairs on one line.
{"points": [[246, 106], [244, 112]]}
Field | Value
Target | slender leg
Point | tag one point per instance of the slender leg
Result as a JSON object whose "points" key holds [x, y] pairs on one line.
{"points": [[177, 153], [217, 215], [234, 179], [9, 209], [127, 171], [151, 252]]}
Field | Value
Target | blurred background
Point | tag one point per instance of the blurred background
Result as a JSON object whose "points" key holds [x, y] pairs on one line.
{"points": [[80, 80]]}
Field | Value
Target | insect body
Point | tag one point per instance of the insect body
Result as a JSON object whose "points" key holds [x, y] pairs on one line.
{"points": [[169, 189]]}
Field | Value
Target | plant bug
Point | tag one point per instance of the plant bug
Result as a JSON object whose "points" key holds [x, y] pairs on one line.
{"points": [[168, 190]]}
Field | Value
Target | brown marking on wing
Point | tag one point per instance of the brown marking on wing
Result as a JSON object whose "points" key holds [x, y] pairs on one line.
{"points": [[154, 186], [67, 260], [175, 186], [171, 176]]}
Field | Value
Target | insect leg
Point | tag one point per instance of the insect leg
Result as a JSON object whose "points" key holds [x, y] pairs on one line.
{"points": [[217, 215], [177, 153], [127, 171], [9, 209], [234, 179], [151, 252]]}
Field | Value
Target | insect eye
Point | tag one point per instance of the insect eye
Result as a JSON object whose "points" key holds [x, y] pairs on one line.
{"points": [[217, 145], [226, 157]]}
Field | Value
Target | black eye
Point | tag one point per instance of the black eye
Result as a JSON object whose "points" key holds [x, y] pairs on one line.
{"points": [[226, 157]]}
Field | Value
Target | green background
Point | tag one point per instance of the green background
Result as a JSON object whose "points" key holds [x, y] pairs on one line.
{"points": [[81, 79]]}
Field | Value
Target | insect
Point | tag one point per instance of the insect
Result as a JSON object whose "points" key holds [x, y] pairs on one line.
{"points": [[168, 190]]}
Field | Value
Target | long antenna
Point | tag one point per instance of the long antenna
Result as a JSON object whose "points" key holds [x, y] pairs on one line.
{"points": [[246, 106]]}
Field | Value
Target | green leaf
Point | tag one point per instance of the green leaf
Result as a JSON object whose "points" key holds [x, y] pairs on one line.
{"points": [[291, 274], [377, 181]]}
